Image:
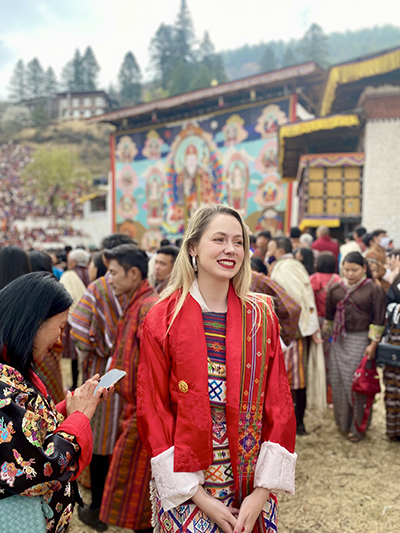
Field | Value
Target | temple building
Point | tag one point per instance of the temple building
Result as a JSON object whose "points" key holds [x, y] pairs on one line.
{"points": [[345, 163], [213, 145], [297, 146]]}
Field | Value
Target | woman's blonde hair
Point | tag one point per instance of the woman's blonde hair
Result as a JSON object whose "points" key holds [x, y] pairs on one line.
{"points": [[183, 274]]}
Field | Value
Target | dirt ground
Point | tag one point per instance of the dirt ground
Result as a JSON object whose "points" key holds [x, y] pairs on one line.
{"points": [[340, 487]]}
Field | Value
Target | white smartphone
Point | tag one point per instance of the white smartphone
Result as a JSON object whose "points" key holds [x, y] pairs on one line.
{"points": [[111, 378]]}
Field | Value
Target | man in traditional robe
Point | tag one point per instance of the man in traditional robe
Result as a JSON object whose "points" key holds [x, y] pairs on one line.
{"points": [[126, 498], [164, 263], [93, 326], [291, 275]]}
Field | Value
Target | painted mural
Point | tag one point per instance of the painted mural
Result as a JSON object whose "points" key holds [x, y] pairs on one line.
{"points": [[163, 174]]}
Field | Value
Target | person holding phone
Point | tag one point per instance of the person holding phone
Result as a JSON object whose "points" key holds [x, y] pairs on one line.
{"points": [[44, 447], [214, 405], [125, 500]]}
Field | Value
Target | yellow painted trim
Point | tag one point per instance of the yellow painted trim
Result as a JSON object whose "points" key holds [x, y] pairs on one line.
{"points": [[357, 71], [315, 222], [87, 197], [211, 114], [310, 126]]}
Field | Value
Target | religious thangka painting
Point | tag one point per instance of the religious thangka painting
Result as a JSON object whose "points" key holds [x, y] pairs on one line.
{"points": [[163, 174]]}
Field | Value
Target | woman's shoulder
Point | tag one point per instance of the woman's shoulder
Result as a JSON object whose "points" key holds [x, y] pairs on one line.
{"points": [[162, 308]]}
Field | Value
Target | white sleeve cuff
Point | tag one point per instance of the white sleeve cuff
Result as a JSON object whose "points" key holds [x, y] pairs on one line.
{"points": [[275, 468], [174, 488]]}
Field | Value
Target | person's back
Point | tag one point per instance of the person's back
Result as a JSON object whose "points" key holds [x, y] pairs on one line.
{"points": [[325, 243]]}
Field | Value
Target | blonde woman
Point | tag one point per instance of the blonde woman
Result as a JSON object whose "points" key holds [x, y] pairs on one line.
{"points": [[214, 405]]}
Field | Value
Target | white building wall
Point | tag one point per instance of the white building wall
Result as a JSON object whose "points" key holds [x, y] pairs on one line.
{"points": [[381, 184]]}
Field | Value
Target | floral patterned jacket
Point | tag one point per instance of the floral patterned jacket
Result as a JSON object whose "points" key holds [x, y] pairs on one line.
{"points": [[41, 451]]}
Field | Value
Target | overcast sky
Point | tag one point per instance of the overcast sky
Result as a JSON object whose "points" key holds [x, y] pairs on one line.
{"points": [[51, 29]]}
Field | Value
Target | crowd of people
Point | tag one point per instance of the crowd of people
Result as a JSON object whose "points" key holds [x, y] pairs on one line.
{"points": [[19, 203], [225, 337]]}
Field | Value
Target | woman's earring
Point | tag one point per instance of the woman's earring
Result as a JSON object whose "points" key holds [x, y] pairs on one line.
{"points": [[194, 263]]}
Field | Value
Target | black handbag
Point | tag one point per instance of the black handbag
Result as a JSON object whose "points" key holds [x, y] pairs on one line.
{"points": [[388, 355]]}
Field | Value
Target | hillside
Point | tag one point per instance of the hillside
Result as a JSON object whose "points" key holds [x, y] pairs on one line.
{"points": [[244, 61], [89, 141]]}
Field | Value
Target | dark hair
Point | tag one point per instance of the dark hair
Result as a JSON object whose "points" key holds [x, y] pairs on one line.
{"points": [[308, 260], [173, 251], [358, 259], [396, 251], [25, 304], [258, 265], [367, 238], [40, 262], [14, 263], [350, 236], [116, 239], [178, 242], [129, 256], [326, 263], [253, 240], [284, 243], [67, 249], [165, 242], [378, 232], [99, 264], [360, 231], [295, 233], [265, 233]]}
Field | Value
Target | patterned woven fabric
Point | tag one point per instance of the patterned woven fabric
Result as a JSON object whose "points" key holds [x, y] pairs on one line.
{"points": [[22, 514], [218, 478]]}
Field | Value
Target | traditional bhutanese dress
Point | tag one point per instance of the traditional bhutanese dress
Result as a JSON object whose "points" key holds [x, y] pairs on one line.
{"points": [[214, 409], [94, 322], [356, 315], [218, 478], [50, 369]]}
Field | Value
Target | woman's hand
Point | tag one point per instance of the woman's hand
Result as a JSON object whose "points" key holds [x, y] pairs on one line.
{"points": [[370, 350], [84, 399], [316, 337], [218, 512], [250, 510]]}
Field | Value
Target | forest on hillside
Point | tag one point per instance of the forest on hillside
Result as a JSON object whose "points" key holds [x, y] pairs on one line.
{"points": [[180, 61], [333, 48]]}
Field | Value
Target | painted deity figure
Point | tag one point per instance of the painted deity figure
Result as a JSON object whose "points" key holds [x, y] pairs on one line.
{"points": [[193, 185], [237, 184], [154, 198]]}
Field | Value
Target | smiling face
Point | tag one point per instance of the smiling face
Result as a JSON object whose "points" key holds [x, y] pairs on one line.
{"points": [[220, 252], [48, 334]]}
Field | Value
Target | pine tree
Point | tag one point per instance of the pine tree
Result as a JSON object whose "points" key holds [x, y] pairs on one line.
{"points": [[181, 77], [314, 46], [268, 61], [129, 78], [67, 77], [162, 54], [17, 88], [34, 79], [90, 70], [50, 83], [206, 50], [184, 36], [210, 66], [77, 69], [289, 57]]}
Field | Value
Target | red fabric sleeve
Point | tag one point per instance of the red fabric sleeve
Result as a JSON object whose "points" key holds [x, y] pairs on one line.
{"points": [[78, 425], [279, 421], [156, 422], [62, 408]]}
